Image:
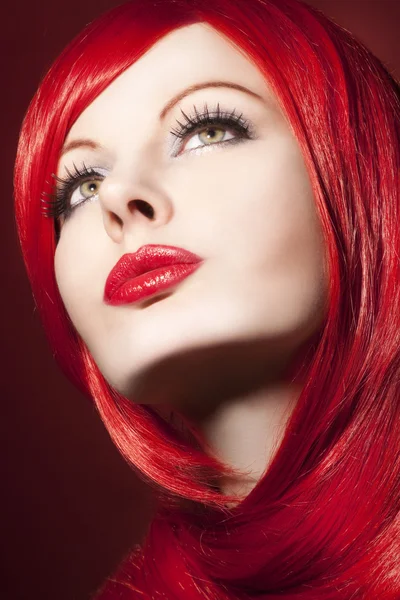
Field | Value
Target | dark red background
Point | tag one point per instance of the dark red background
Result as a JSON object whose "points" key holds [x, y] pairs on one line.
{"points": [[69, 503]]}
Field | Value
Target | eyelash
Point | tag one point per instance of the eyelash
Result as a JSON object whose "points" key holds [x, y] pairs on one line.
{"points": [[56, 204]]}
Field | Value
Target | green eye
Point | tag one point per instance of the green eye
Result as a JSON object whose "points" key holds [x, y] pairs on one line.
{"points": [[72, 191], [85, 190], [89, 188]]}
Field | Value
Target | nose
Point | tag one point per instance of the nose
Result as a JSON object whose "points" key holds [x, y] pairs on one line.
{"points": [[125, 204]]}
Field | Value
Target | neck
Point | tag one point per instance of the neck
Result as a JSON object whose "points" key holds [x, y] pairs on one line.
{"points": [[244, 433], [239, 398]]}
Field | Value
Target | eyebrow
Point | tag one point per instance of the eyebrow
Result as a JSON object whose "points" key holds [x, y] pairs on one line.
{"points": [[200, 86], [87, 143], [80, 143]]}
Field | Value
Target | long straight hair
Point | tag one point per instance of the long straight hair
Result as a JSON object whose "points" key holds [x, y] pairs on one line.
{"points": [[323, 521]]}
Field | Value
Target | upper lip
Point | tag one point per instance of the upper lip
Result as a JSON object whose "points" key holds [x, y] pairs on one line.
{"points": [[147, 258]]}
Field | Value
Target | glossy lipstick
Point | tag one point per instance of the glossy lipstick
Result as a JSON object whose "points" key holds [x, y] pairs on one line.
{"points": [[151, 269]]}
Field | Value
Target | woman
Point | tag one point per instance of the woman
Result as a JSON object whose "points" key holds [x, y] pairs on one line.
{"points": [[207, 198]]}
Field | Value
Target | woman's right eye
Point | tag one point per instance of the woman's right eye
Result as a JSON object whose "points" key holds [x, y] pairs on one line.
{"points": [[73, 191], [85, 190]]}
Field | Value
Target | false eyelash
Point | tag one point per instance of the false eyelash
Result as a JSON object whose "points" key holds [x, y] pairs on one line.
{"points": [[55, 204], [218, 116]]}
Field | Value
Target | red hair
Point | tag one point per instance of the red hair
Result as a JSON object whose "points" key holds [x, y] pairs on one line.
{"points": [[323, 522]]}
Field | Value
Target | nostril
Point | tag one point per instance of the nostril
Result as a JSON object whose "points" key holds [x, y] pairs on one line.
{"points": [[145, 208]]}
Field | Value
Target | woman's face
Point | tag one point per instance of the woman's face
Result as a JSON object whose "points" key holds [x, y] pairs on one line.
{"points": [[241, 200]]}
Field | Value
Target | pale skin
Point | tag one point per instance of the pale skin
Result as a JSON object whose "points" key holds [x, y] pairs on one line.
{"points": [[215, 346]]}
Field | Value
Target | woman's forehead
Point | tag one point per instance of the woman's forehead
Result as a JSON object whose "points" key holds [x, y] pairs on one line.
{"points": [[184, 58]]}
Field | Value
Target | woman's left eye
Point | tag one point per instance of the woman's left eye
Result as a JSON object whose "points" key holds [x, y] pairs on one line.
{"points": [[211, 128], [208, 136]]}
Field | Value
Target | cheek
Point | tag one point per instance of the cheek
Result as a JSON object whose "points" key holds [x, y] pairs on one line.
{"points": [[264, 206], [271, 236], [76, 265], [67, 272], [63, 267]]}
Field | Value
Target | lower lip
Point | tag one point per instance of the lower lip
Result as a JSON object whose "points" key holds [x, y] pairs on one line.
{"points": [[151, 283]]}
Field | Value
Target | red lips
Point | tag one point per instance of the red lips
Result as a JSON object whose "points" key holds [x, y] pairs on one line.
{"points": [[151, 269]]}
